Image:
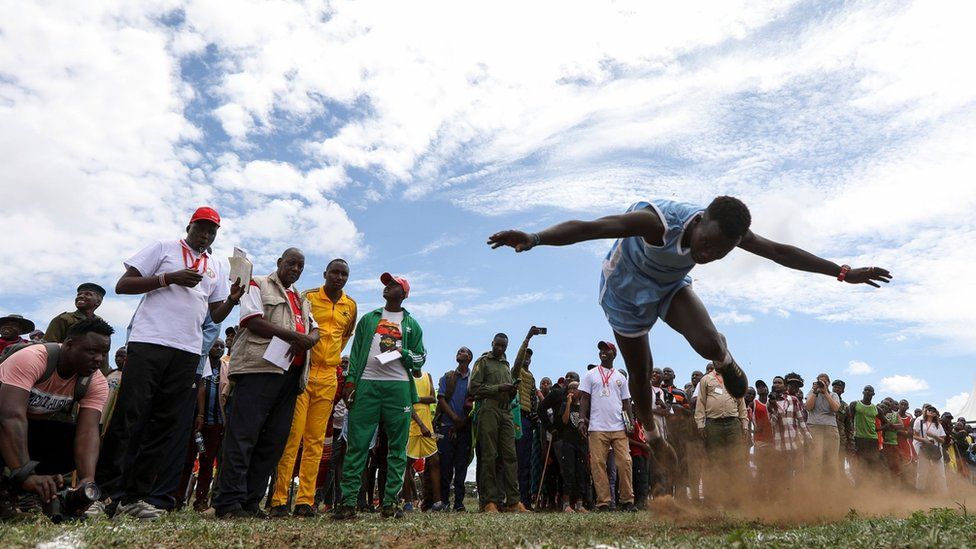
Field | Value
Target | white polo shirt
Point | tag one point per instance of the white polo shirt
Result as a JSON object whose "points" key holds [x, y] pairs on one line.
{"points": [[173, 316], [607, 389]]}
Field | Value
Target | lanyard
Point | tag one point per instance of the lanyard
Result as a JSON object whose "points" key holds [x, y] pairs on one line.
{"points": [[188, 260], [605, 378]]}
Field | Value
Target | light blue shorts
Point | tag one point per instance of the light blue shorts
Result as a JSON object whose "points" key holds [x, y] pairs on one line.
{"points": [[633, 313]]}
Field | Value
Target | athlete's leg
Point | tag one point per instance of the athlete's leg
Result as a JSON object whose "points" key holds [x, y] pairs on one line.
{"points": [[688, 316], [636, 352]]}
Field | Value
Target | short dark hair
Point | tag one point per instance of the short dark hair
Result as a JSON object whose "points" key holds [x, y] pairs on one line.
{"points": [[731, 214], [500, 334], [88, 325], [336, 260]]}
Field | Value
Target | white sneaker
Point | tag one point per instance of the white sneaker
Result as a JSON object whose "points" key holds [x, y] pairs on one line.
{"points": [[96, 510], [141, 510]]}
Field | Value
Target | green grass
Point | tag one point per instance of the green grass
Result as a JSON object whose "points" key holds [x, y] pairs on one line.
{"points": [[941, 528]]}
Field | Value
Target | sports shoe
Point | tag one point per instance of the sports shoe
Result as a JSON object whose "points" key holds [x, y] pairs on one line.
{"points": [[234, 513], [437, 507], [392, 511], [628, 508], [734, 378], [343, 512], [580, 508], [140, 509], [279, 511], [304, 510], [460, 509], [602, 508], [96, 510], [490, 507], [407, 507]]}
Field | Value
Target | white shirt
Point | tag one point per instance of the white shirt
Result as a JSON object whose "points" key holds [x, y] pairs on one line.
{"points": [[173, 316], [388, 335], [606, 398], [927, 430]]}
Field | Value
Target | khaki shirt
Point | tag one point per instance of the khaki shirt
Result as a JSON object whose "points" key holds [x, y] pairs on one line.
{"points": [[526, 386], [714, 402], [487, 374]]}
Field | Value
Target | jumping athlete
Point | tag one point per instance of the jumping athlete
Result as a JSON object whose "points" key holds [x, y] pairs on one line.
{"points": [[645, 276]]}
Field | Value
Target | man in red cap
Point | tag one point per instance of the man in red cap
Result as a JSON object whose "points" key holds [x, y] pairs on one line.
{"points": [[387, 348], [180, 284]]}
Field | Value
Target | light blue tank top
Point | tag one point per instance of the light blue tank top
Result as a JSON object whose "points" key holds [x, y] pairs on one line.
{"points": [[641, 273]]}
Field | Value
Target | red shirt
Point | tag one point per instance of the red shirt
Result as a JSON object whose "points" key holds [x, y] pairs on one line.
{"points": [[296, 309], [760, 418], [638, 435]]}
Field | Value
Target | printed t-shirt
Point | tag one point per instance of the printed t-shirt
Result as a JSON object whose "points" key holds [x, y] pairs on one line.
{"points": [[26, 366], [387, 337], [173, 315], [607, 389]]}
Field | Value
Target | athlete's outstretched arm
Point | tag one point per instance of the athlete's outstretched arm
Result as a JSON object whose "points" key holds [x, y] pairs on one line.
{"points": [[642, 223], [802, 260]]}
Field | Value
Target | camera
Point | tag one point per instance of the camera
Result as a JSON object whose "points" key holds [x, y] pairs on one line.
{"points": [[71, 503]]}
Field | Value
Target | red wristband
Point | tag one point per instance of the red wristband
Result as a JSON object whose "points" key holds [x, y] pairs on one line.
{"points": [[844, 269]]}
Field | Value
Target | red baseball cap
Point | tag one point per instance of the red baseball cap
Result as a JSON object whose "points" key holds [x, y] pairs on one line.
{"points": [[385, 278], [206, 213], [605, 345]]}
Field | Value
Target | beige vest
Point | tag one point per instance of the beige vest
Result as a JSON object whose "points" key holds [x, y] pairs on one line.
{"points": [[248, 353]]}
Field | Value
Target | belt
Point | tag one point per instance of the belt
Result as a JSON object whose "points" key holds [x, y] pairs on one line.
{"points": [[729, 419]]}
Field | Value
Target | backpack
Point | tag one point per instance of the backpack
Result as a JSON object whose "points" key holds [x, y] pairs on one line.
{"points": [[53, 353]]}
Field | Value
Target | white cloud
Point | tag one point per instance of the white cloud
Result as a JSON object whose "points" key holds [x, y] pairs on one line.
{"points": [[903, 384], [955, 403], [732, 317], [442, 242], [859, 368]]}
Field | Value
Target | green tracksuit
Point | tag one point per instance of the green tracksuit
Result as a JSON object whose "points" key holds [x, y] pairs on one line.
{"points": [[386, 402], [496, 430]]}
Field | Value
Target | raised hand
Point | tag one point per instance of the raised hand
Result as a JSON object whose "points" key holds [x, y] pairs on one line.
{"points": [[519, 240], [868, 275]]}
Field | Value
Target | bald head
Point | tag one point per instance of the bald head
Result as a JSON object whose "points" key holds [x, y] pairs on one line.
{"points": [[290, 266]]}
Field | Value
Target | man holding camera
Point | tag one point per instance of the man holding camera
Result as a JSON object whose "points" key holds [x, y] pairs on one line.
{"points": [[51, 400], [492, 387], [822, 409], [528, 404]]}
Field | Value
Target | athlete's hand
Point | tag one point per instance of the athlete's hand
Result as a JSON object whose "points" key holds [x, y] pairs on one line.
{"points": [[519, 240], [425, 432], [868, 275]]}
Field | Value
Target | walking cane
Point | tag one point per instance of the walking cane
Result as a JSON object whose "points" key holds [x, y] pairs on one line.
{"points": [[542, 480]]}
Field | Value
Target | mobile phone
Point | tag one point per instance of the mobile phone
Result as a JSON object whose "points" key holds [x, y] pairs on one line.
{"points": [[542, 331]]}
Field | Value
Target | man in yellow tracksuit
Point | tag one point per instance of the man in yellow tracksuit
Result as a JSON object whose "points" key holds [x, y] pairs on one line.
{"points": [[335, 313]]}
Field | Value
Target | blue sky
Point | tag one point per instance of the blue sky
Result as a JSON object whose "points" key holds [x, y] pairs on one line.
{"points": [[400, 137]]}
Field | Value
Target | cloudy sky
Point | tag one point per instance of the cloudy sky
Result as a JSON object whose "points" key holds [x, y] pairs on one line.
{"points": [[400, 135]]}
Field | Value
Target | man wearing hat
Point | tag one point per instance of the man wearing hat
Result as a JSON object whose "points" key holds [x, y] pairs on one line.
{"points": [[88, 299], [11, 328], [180, 283], [387, 347]]}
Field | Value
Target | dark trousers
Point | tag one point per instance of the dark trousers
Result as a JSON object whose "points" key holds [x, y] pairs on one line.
{"points": [[455, 452], [52, 445], [212, 437], [574, 469], [147, 417], [338, 459], [641, 477], [328, 491], [255, 432], [164, 492], [523, 449]]}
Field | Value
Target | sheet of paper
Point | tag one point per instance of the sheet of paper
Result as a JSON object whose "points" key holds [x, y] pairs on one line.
{"points": [[207, 370], [277, 353], [388, 357], [240, 267]]}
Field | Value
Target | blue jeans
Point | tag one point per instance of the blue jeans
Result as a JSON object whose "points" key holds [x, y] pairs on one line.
{"points": [[455, 452], [523, 448]]}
